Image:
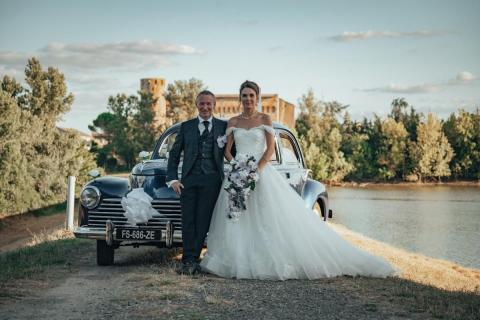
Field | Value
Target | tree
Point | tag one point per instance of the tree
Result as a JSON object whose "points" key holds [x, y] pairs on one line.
{"points": [[181, 97], [321, 138], [403, 113], [356, 148], [434, 150], [14, 166], [128, 128], [463, 133], [409, 118], [36, 157], [392, 149]]}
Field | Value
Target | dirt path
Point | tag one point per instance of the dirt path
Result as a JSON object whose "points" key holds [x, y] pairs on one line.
{"points": [[17, 231], [143, 285]]}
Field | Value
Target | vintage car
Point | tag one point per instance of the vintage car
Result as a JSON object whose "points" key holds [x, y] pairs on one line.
{"points": [[101, 216]]}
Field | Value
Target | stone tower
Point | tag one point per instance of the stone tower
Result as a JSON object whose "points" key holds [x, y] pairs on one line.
{"points": [[156, 86]]}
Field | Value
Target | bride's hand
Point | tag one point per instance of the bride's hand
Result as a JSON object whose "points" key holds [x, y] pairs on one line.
{"points": [[261, 165]]}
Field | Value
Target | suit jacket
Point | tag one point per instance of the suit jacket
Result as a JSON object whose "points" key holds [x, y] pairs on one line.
{"points": [[187, 141]]}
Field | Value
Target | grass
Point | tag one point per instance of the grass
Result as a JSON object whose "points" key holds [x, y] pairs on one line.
{"points": [[437, 302], [31, 261], [50, 210]]}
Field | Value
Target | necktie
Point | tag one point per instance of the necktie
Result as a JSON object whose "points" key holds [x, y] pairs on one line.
{"points": [[205, 131]]}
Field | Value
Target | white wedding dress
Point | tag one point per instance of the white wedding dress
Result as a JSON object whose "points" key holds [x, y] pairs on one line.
{"points": [[277, 237]]}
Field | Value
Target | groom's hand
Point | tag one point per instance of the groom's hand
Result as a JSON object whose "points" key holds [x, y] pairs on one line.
{"points": [[177, 187]]}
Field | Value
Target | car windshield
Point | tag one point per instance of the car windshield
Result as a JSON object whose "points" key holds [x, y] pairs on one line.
{"points": [[167, 144], [165, 147]]}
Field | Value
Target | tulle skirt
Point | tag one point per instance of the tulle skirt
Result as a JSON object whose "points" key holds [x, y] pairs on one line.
{"points": [[278, 238]]}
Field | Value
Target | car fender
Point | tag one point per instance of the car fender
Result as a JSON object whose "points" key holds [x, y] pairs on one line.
{"points": [[313, 191], [111, 187]]}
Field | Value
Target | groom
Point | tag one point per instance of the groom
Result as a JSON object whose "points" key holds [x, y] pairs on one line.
{"points": [[202, 175]]}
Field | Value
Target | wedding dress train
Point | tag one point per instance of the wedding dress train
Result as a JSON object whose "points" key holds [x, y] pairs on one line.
{"points": [[277, 237]]}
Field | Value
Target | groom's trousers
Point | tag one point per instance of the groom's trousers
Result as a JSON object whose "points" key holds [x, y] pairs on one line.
{"points": [[198, 199]]}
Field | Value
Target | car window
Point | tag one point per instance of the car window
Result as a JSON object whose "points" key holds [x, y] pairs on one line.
{"points": [[289, 154], [166, 146]]}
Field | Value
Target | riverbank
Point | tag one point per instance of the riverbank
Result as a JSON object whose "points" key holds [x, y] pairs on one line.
{"points": [[364, 184], [416, 267]]}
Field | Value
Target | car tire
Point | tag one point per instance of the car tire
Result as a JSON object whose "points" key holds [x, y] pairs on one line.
{"points": [[105, 253], [318, 208]]}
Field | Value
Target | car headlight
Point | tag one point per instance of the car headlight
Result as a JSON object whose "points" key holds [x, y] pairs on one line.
{"points": [[90, 197]]}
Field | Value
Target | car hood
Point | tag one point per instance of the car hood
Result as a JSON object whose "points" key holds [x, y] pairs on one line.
{"points": [[150, 175], [151, 168]]}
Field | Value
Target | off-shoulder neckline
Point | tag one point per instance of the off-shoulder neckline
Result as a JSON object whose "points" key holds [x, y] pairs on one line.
{"points": [[248, 129]]}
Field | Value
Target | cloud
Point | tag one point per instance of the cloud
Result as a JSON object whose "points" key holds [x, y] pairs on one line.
{"points": [[462, 78], [348, 36], [18, 74], [141, 54], [394, 88]]}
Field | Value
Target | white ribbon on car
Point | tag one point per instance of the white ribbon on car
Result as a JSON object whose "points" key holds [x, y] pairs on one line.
{"points": [[138, 207]]}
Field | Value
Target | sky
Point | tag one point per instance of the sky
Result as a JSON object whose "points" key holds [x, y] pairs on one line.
{"points": [[360, 53]]}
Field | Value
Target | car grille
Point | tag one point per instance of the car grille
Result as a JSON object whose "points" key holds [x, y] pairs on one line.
{"points": [[111, 209]]}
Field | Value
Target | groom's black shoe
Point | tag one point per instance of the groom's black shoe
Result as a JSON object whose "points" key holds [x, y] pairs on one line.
{"points": [[188, 268]]}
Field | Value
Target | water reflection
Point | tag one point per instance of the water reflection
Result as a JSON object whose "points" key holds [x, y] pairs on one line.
{"points": [[440, 221]]}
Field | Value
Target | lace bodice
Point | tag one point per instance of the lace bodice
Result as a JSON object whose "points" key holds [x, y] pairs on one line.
{"points": [[251, 141]]}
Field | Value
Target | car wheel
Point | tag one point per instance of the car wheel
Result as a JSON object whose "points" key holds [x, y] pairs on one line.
{"points": [[317, 208], [105, 253]]}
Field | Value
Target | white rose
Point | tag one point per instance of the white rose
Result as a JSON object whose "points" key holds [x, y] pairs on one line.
{"points": [[221, 141]]}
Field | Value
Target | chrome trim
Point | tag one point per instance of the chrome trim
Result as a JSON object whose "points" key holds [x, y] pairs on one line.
{"points": [[111, 209], [169, 234], [109, 227], [89, 233]]}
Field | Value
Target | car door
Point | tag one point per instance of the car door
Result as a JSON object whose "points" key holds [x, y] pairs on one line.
{"points": [[292, 167]]}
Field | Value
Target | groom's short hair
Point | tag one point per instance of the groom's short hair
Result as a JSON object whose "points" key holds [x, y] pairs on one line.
{"points": [[206, 93]]}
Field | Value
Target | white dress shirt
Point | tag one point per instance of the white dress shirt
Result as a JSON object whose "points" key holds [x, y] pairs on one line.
{"points": [[201, 126]]}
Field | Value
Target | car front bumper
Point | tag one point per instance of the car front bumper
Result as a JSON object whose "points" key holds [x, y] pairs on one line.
{"points": [[169, 235]]}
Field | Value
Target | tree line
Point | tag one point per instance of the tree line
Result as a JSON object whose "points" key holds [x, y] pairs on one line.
{"points": [[35, 155], [404, 146]]}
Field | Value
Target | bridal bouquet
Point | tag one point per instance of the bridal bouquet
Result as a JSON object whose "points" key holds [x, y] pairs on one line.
{"points": [[241, 175]]}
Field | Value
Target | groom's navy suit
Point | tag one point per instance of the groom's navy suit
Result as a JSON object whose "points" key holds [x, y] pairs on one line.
{"points": [[202, 175]]}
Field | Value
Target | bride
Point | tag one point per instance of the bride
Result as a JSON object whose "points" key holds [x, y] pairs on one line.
{"points": [[277, 237]]}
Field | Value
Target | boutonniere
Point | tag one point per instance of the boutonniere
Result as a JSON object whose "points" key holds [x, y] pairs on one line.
{"points": [[221, 141]]}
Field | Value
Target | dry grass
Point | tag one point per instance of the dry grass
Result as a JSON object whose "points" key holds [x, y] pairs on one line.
{"points": [[416, 267], [43, 236]]}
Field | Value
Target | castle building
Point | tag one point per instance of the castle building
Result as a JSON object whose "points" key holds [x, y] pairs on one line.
{"points": [[156, 86], [228, 105]]}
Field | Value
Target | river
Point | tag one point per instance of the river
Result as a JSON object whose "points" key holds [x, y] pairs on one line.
{"points": [[437, 221]]}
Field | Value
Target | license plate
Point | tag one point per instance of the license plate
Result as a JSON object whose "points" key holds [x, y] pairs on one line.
{"points": [[138, 234]]}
